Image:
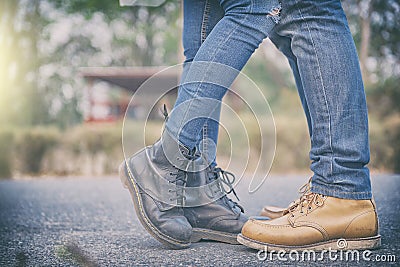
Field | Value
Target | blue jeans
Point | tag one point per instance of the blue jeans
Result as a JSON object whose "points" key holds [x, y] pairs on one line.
{"points": [[213, 29], [315, 38]]}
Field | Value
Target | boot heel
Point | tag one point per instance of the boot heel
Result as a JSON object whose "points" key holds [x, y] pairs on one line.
{"points": [[141, 214], [199, 234], [373, 242], [196, 237], [122, 175]]}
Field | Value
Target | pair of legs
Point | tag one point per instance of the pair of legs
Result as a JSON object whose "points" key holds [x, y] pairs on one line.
{"points": [[315, 38], [214, 31], [179, 197]]}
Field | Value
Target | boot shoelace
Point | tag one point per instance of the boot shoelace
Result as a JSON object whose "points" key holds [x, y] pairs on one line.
{"points": [[180, 179], [164, 112], [306, 200], [228, 179], [181, 176], [305, 188]]}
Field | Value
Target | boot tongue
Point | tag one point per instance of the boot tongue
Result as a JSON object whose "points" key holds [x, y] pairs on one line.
{"points": [[200, 189], [209, 188], [197, 178]]}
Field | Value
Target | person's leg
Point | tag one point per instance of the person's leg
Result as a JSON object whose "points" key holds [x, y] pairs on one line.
{"points": [[199, 18], [220, 219], [155, 184], [216, 64], [284, 44], [337, 205], [156, 176], [324, 59]]}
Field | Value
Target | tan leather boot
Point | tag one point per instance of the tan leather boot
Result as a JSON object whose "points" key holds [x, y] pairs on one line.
{"points": [[316, 222], [272, 212]]}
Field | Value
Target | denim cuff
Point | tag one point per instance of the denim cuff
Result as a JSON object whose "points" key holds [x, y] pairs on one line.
{"points": [[341, 194]]}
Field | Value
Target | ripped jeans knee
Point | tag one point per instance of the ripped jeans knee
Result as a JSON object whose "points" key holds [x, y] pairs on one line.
{"points": [[275, 13]]}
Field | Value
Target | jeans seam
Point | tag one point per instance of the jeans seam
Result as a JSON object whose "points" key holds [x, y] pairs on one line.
{"points": [[323, 87], [204, 23], [204, 26], [205, 139]]}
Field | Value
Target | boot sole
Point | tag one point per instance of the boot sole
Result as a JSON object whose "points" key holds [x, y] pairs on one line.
{"points": [[207, 234], [129, 183], [373, 242]]}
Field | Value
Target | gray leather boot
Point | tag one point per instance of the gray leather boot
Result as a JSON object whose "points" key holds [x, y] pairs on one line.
{"points": [[157, 189], [221, 219]]}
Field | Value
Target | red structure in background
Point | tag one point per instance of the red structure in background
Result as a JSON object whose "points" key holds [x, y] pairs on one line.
{"points": [[127, 78]]}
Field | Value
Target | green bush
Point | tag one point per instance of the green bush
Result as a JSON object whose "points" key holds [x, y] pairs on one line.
{"points": [[381, 151], [384, 108], [93, 139], [6, 155], [96, 140], [44, 149], [32, 145]]}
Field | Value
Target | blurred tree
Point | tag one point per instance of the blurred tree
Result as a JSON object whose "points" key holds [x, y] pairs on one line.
{"points": [[385, 98], [8, 58], [375, 27], [386, 32], [101, 33], [44, 42], [21, 102], [150, 24]]}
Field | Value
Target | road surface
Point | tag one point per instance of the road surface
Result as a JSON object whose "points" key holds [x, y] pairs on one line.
{"points": [[91, 222]]}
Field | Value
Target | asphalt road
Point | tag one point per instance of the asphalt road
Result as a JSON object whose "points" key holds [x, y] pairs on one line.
{"points": [[91, 222]]}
